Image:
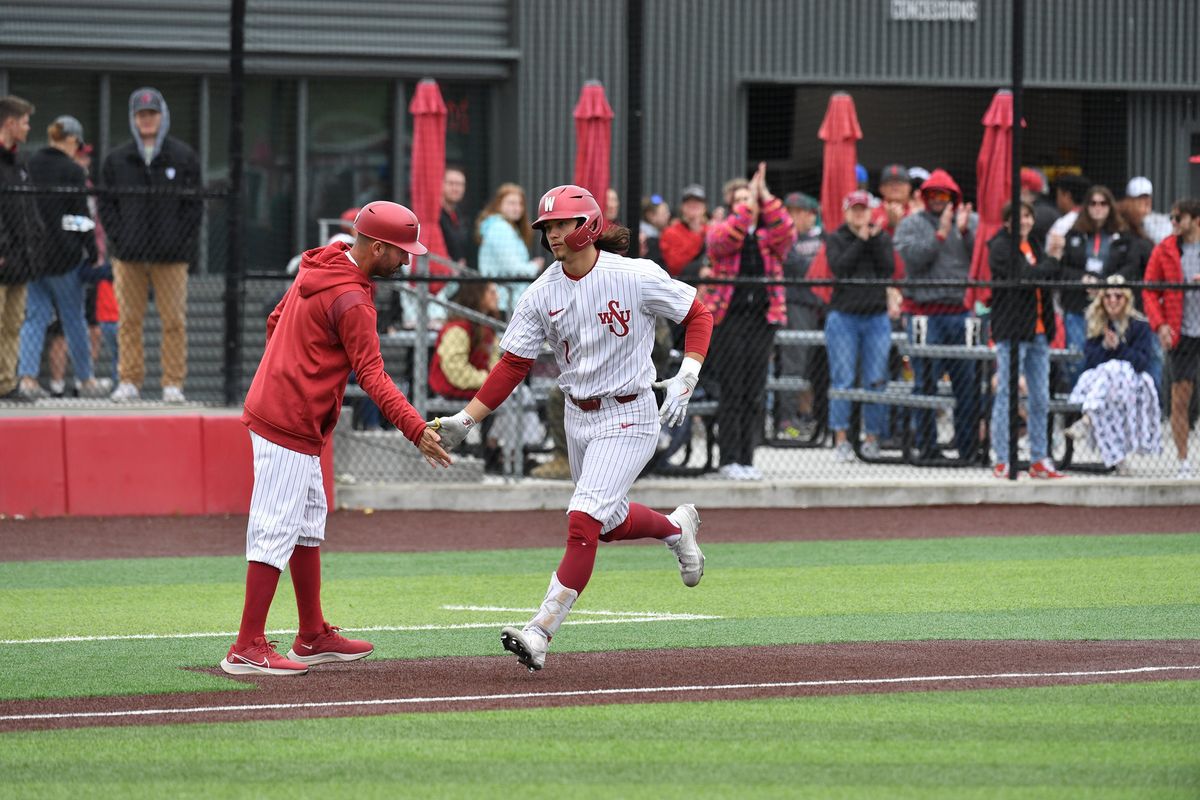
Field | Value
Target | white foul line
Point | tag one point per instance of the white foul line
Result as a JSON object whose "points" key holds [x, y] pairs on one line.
{"points": [[642, 690], [611, 618]]}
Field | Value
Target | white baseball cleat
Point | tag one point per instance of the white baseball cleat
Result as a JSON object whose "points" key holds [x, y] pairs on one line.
{"points": [[528, 645], [691, 560]]}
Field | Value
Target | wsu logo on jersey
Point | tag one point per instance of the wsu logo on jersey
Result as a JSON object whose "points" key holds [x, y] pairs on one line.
{"points": [[616, 319]]}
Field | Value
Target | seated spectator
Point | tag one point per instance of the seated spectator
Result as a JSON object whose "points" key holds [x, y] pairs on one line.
{"points": [[1097, 245], [1024, 314], [656, 214], [504, 236], [682, 242], [857, 331], [1120, 404]]}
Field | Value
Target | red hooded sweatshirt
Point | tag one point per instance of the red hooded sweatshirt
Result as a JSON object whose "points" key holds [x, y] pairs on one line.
{"points": [[322, 328]]}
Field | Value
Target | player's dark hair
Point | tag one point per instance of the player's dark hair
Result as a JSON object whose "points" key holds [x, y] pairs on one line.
{"points": [[614, 239]]}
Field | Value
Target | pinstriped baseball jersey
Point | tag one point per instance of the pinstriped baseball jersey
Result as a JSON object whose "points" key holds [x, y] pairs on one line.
{"points": [[600, 326]]}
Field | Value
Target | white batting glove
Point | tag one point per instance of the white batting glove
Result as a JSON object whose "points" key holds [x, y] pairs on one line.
{"points": [[452, 429], [678, 391]]}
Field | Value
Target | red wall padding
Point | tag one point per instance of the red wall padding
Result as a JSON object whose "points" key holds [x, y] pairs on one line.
{"points": [[32, 480]]}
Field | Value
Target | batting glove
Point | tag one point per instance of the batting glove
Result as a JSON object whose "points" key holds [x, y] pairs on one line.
{"points": [[452, 429], [678, 391]]}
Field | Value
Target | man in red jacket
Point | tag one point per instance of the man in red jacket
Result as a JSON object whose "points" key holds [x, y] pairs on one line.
{"points": [[323, 328], [1175, 315]]}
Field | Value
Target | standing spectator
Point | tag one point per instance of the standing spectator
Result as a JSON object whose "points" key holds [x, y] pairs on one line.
{"points": [[1033, 192], [612, 207], [656, 214], [749, 243], [936, 244], [1156, 226], [683, 241], [20, 234], [896, 196], [1140, 248], [1069, 194], [1120, 405], [1025, 314], [100, 299], [322, 329], [151, 238], [805, 312], [1096, 246], [454, 227], [504, 238], [70, 244], [1175, 314], [857, 331]]}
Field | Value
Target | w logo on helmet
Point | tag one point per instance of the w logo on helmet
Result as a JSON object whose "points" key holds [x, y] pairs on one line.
{"points": [[548, 203]]}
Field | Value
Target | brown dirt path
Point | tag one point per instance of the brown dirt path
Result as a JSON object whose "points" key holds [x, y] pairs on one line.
{"points": [[483, 683], [65, 538]]}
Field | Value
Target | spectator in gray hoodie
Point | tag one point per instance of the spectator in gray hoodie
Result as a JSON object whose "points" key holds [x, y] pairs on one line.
{"points": [[936, 244]]}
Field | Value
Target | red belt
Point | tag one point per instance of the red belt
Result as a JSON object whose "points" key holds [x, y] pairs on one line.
{"points": [[593, 403]]}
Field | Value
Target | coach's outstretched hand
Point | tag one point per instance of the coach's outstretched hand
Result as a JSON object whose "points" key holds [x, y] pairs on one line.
{"points": [[452, 430], [678, 391]]}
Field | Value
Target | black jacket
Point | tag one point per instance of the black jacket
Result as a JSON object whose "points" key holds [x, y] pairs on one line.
{"points": [[21, 228], [161, 227], [852, 257], [1014, 311], [1074, 265], [65, 245], [456, 230]]}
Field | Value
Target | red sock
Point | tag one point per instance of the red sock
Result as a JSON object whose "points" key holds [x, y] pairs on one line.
{"points": [[642, 523], [305, 566], [575, 569], [261, 581]]}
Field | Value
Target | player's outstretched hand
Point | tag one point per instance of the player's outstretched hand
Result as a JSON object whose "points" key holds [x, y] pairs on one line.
{"points": [[430, 446], [677, 392], [452, 430]]}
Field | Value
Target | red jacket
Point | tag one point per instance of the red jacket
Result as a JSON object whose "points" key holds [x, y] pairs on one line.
{"points": [[1165, 306], [680, 246], [322, 328]]}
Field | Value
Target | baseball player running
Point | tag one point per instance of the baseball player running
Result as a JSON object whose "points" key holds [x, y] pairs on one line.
{"points": [[323, 328], [597, 311]]}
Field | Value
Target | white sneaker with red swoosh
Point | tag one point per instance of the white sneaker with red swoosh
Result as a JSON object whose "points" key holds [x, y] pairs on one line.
{"points": [[329, 645], [259, 658]]}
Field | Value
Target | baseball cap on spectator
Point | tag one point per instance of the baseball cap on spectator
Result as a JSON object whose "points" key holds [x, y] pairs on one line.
{"points": [[860, 174], [146, 99], [801, 200], [918, 175], [893, 172], [1031, 179], [71, 127], [693, 191], [856, 198], [1138, 187]]}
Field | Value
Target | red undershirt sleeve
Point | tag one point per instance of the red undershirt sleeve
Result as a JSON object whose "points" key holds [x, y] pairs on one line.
{"points": [[504, 377], [698, 325]]}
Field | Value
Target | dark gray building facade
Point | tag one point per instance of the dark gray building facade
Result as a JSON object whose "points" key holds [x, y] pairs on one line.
{"points": [[1113, 88]]}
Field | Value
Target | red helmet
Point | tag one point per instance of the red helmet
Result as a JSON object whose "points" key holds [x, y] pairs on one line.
{"points": [[391, 223], [572, 202]]}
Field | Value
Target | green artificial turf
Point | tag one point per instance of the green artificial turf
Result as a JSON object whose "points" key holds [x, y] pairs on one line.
{"points": [[1100, 741], [1110, 587]]}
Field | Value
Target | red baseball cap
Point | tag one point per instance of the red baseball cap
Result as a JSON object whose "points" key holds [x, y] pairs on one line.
{"points": [[1031, 179], [857, 198]]}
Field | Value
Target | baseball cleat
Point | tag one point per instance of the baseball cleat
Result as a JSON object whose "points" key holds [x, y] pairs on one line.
{"points": [[327, 646], [691, 560], [528, 645], [259, 658]]}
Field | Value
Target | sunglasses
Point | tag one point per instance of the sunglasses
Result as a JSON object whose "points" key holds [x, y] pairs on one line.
{"points": [[938, 195], [1114, 296], [1176, 217], [1098, 203]]}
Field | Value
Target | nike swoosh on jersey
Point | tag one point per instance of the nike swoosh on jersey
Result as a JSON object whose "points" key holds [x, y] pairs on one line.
{"points": [[626, 425], [559, 311]]}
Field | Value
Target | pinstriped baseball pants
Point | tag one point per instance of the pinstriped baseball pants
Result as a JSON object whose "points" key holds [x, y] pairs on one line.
{"points": [[607, 449], [287, 506]]}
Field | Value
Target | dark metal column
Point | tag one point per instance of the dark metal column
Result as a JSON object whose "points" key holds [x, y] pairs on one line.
{"points": [[235, 261]]}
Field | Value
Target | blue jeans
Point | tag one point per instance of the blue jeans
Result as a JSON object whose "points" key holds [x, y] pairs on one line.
{"points": [[108, 335], [859, 341], [64, 293], [1035, 366], [1076, 325], [947, 329]]}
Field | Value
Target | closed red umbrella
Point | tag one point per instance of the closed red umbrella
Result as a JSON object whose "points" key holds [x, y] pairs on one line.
{"points": [[840, 132], [428, 168], [993, 172], [593, 140]]}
